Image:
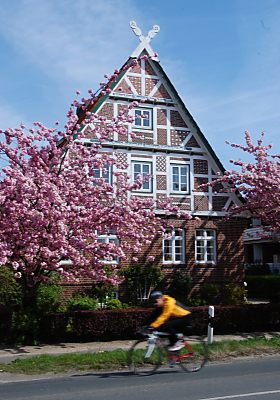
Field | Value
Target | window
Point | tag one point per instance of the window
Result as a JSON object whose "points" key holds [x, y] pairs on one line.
{"points": [[174, 246], [108, 239], [144, 169], [180, 176], [205, 246], [104, 172], [143, 118]]}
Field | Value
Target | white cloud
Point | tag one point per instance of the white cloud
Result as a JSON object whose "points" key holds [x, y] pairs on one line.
{"points": [[73, 41]]}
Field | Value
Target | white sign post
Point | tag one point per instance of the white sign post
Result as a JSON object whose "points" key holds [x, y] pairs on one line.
{"points": [[210, 324]]}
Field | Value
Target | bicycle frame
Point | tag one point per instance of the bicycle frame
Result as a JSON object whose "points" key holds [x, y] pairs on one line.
{"points": [[146, 356], [156, 335]]}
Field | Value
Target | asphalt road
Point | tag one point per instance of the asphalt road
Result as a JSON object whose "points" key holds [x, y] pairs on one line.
{"points": [[256, 379]]}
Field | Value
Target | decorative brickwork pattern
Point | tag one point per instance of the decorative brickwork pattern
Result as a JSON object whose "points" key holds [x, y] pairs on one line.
{"points": [[148, 69], [219, 202], [122, 159], [201, 203], [143, 137], [107, 111], [136, 82], [200, 166], [162, 136], [146, 156], [123, 87], [192, 143], [177, 137], [200, 181], [161, 164], [161, 197], [161, 117], [161, 183], [177, 120], [150, 83], [183, 203], [162, 93], [179, 159]]}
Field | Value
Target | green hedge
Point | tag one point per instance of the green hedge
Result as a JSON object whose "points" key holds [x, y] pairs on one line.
{"points": [[102, 325], [124, 324], [264, 287]]}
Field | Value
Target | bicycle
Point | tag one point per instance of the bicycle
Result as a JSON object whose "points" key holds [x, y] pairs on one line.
{"points": [[149, 353]]}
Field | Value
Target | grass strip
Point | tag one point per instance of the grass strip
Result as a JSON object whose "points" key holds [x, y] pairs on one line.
{"points": [[117, 359]]}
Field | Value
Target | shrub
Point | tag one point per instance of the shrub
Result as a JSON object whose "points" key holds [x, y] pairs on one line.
{"points": [[211, 293], [265, 287], [141, 280], [233, 293], [216, 293], [195, 301], [103, 291], [82, 303], [5, 322], [25, 327], [10, 290], [257, 269], [114, 304], [48, 298]]}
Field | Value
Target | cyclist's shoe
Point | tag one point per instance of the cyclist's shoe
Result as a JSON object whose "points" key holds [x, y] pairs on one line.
{"points": [[176, 346]]}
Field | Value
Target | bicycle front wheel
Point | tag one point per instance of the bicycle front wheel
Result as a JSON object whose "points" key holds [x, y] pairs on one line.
{"points": [[194, 355], [144, 360]]}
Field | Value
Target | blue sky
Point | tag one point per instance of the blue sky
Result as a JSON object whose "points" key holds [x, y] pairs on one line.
{"points": [[223, 57]]}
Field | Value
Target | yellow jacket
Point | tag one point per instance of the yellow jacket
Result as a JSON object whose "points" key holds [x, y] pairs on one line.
{"points": [[171, 309]]}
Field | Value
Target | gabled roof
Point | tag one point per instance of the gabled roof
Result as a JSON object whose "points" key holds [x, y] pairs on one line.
{"points": [[144, 48]]}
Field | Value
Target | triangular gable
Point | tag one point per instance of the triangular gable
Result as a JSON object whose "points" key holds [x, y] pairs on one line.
{"points": [[165, 87]]}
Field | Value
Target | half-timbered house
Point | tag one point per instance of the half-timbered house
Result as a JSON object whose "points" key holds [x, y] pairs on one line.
{"points": [[168, 144]]}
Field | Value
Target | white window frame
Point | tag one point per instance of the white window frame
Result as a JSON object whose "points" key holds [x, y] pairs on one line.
{"points": [[102, 174], [107, 238], [147, 186], [140, 118], [175, 235], [206, 236], [179, 190]]}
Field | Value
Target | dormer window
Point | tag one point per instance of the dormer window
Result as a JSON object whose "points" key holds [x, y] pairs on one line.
{"points": [[143, 118]]}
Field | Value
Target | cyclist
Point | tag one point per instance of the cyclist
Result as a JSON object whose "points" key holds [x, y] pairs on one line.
{"points": [[170, 316]]}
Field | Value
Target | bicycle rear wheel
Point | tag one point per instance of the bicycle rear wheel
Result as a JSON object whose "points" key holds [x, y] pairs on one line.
{"points": [[194, 355], [141, 360]]}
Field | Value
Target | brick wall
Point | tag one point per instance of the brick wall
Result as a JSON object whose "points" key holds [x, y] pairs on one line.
{"points": [[230, 254], [136, 82], [107, 111], [219, 202], [200, 166], [150, 83], [162, 93], [161, 116], [176, 119], [162, 136], [177, 137], [192, 143]]}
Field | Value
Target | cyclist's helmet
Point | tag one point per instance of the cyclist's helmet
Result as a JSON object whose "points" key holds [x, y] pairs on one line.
{"points": [[155, 295]]}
